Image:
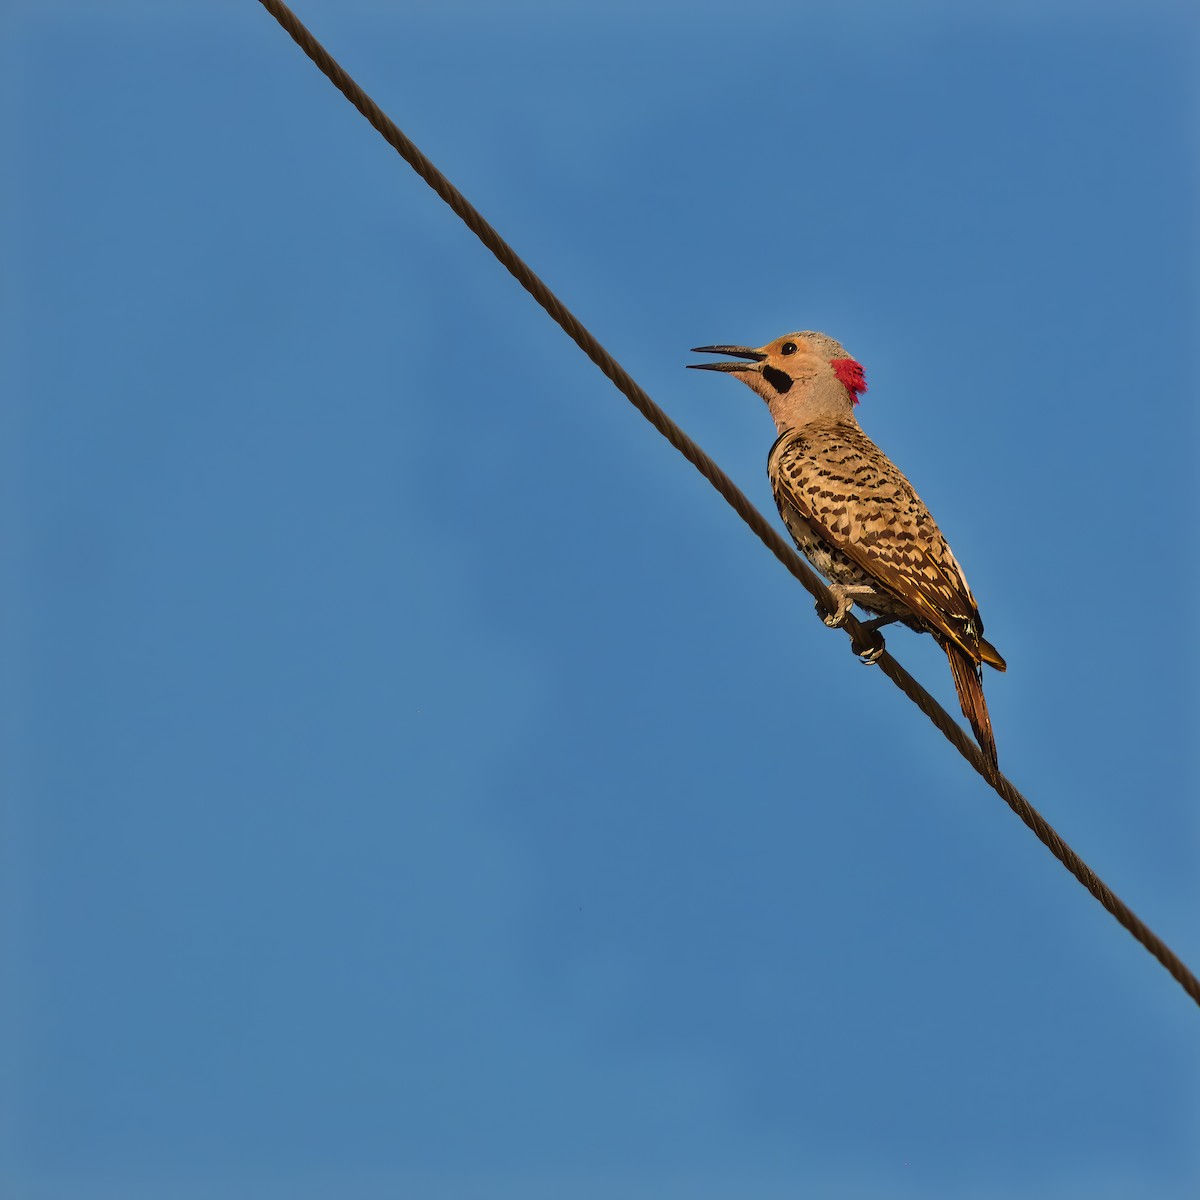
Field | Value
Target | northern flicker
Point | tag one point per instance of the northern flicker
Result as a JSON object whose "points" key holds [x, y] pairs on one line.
{"points": [[854, 516]]}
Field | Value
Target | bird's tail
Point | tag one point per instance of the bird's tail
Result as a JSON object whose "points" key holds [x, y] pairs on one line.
{"points": [[969, 685], [991, 655]]}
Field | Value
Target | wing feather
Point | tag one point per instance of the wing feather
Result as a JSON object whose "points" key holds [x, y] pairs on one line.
{"points": [[859, 502]]}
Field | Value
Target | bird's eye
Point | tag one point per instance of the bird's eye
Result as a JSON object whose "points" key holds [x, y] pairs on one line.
{"points": [[788, 348]]}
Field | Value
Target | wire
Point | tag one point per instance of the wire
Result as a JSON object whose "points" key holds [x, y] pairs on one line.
{"points": [[774, 542]]}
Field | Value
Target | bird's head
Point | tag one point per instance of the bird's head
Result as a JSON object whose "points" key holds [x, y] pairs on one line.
{"points": [[801, 376]]}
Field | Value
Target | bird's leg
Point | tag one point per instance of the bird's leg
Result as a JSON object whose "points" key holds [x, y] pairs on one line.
{"points": [[878, 623], [843, 596], [869, 646]]}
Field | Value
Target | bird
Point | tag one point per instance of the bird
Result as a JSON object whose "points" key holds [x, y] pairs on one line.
{"points": [[855, 516]]}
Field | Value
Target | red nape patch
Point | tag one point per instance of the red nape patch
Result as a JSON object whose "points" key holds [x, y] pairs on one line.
{"points": [[851, 374]]}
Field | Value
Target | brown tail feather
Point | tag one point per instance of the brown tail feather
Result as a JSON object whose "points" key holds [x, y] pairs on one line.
{"points": [[991, 655], [970, 695]]}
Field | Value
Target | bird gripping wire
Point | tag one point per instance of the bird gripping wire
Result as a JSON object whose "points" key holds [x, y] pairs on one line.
{"points": [[774, 542]]}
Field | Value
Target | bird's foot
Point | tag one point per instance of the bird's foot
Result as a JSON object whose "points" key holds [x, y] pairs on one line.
{"points": [[867, 643], [870, 646], [841, 598]]}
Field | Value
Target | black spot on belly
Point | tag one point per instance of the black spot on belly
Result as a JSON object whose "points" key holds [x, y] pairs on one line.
{"points": [[781, 381]]}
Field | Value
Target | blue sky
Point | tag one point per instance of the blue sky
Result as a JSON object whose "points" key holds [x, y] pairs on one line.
{"points": [[416, 781]]}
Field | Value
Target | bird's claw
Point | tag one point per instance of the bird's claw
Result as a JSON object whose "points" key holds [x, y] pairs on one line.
{"points": [[866, 643], [837, 618], [869, 649]]}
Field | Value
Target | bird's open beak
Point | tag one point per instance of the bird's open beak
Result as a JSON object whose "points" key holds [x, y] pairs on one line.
{"points": [[756, 357]]}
